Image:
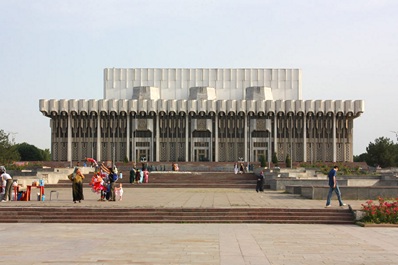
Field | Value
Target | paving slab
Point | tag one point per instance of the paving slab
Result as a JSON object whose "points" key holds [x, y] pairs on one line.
{"points": [[185, 198], [224, 244]]}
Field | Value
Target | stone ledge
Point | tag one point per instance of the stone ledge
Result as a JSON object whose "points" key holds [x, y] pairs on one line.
{"points": [[348, 192]]}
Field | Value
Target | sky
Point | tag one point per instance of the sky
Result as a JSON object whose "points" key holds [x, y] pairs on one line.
{"points": [[52, 49]]}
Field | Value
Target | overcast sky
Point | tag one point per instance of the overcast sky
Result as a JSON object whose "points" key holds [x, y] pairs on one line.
{"points": [[51, 49]]}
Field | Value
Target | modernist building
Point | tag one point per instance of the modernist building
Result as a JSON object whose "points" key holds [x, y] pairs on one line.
{"points": [[202, 115]]}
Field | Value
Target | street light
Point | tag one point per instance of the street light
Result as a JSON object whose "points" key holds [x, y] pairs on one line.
{"points": [[396, 134]]}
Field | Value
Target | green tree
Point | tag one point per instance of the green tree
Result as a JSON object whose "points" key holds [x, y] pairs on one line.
{"points": [[30, 152], [382, 152], [274, 159], [46, 154], [8, 152], [262, 161], [288, 161], [361, 158]]}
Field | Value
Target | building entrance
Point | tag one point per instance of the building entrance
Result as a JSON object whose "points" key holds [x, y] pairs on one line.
{"points": [[142, 154]]}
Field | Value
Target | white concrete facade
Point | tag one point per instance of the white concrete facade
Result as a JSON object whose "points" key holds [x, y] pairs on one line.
{"points": [[229, 84], [177, 115]]}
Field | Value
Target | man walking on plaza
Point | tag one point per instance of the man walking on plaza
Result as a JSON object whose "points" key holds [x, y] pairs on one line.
{"points": [[333, 186]]}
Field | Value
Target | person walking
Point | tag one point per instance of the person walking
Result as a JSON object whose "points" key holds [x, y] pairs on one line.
{"points": [[8, 186], [260, 182], [333, 186], [77, 185]]}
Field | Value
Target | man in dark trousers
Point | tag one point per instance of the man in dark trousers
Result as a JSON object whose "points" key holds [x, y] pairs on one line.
{"points": [[333, 186], [112, 179], [260, 182], [132, 175]]}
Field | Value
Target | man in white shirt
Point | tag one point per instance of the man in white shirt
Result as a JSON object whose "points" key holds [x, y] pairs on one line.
{"points": [[6, 177]]}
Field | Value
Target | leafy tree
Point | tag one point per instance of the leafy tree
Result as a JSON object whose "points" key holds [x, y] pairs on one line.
{"points": [[30, 152], [382, 152], [8, 152], [46, 154], [361, 158]]}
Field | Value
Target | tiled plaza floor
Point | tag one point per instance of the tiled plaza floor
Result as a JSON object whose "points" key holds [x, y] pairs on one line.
{"points": [[226, 244]]}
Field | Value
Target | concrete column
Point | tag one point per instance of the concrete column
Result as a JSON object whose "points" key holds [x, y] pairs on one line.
{"points": [[99, 139], [157, 150], [187, 138], [245, 130], [128, 138], [133, 147], [69, 147], [305, 138], [275, 134], [210, 150], [334, 139], [216, 139]]}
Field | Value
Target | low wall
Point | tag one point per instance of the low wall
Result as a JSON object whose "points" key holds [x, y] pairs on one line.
{"points": [[348, 193], [49, 177], [282, 183]]}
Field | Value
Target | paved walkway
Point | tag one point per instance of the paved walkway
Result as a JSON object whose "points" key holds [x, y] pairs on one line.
{"points": [[186, 198], [205, 244]]}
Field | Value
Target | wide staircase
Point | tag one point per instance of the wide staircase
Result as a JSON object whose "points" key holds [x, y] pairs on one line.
{"points": [[183, 180], [174, 215]]}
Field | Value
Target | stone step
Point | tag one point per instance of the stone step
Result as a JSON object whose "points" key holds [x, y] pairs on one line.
{"points": [[183, 180], [174, 215]]}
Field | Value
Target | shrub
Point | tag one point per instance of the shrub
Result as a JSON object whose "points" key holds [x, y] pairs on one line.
{"points": [[262, 161], [274, 159], [385, 212], [288, 161]]}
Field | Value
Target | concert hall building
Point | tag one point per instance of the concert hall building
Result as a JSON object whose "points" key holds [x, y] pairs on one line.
{"points": [[220, 115]]}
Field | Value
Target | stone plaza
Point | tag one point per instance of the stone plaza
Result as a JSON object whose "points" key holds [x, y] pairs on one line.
{"points": [[207, 244]]}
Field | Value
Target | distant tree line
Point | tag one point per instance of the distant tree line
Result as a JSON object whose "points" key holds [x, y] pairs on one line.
{"points": [[10, 152]]}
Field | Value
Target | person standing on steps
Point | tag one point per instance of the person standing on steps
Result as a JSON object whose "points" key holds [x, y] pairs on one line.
{"points": [[77, 185], [333, 186], [260, 182], [236, 168], [241, 168]]}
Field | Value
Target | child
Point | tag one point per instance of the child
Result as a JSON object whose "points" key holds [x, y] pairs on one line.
{"points": [[146, 175], [119, 191]]}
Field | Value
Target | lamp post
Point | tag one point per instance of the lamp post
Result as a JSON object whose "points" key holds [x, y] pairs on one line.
{"points": [[396, 134]]}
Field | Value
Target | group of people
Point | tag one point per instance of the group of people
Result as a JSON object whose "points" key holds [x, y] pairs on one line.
{"points": [[102, 182], [139, 175], [241, 168]]}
